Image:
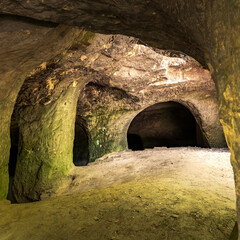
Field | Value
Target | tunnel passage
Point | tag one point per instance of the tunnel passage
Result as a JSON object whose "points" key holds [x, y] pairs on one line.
{"points": [[80, 147], [167, 124], [14, 134]]}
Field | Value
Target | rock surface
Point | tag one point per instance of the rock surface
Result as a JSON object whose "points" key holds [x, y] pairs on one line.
{"points": [[25, 44], [117, 77], [205, 30]]}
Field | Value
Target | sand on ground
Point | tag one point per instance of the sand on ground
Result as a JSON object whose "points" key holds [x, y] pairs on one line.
{"points": [[161, 193]]}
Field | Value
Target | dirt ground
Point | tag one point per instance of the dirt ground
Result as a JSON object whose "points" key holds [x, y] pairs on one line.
{"points": [[157, 194]]}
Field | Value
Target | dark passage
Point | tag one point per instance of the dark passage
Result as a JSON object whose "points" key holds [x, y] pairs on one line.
{"points": [[80, 149], [14, 134], [167, 124]]}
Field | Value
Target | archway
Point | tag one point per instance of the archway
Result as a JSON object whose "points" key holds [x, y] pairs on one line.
{"points": [[81, 146], [167, 124]]}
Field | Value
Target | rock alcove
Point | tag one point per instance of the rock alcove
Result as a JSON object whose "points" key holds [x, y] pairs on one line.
{"points": [[167, 124]]}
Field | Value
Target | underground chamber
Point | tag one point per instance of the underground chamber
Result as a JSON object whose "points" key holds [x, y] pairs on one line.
{"points": [[167, 124]]}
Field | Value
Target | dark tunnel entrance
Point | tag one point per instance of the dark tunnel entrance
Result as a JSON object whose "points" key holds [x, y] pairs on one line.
{"points": [[167, 124], [14, 134], [81, 147]]}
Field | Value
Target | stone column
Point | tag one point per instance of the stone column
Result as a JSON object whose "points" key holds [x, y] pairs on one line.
{"points": [[24, 46], [45, 145]]}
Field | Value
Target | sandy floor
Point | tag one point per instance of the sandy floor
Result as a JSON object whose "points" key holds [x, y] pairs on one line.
{"points": [[180, 193]]}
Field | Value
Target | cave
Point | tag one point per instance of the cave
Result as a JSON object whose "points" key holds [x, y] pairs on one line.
{"points": [[160, 77], [168, 124]]}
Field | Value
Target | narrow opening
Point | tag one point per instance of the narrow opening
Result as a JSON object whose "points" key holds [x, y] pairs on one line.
{"points": [[14, 134], [167, 124], [81, 147]]}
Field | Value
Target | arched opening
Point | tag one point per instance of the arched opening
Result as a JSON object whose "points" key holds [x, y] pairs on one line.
{"points": [[80, 147], [14, 134], [167, 124]]}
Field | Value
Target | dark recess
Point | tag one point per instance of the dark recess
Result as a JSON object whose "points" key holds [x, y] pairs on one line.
{"points": [[81, 148], [168, 124], [14, 134]]}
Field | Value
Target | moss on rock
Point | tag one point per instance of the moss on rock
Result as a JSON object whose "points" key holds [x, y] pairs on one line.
{"points": [[46, 145], [104, 137]]}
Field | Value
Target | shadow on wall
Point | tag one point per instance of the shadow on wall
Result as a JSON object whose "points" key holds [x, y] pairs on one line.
{"points": [[167, 124], [81, 145]]}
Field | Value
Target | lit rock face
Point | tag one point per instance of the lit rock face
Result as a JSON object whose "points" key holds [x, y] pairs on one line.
{"points": [[129, 77]]}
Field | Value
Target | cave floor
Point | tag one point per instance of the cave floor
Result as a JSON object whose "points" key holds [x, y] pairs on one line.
{"points": [[178, 193]]}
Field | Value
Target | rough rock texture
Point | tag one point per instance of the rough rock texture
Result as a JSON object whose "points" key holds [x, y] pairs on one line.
{"points": [[46, 111], [124, 77], [158, 23], [129, 77], [24, 45], [206, 30]]}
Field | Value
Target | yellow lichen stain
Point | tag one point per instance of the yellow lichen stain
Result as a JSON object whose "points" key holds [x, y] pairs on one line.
{"points": [[131, 53], [84, 57], [69, 55], [41, 67], [68, 71], [227, 94], [27, 32], [107, 46], [51, 83], [87, 37]]}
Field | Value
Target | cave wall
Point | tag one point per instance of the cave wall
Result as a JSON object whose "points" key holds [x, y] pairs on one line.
{"points": [[104, 110], [45, 146], [24, 45], [46, 112], [124, 78], [206, 30], [129, 77]]}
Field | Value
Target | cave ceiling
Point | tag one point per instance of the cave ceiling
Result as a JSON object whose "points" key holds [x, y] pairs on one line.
{"points": [[177, 25]]}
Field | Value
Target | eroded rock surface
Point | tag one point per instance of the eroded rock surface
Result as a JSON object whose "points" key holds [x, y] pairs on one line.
{"points": [[129, 77], [24, 45], [205, 30], [117, 77]]}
